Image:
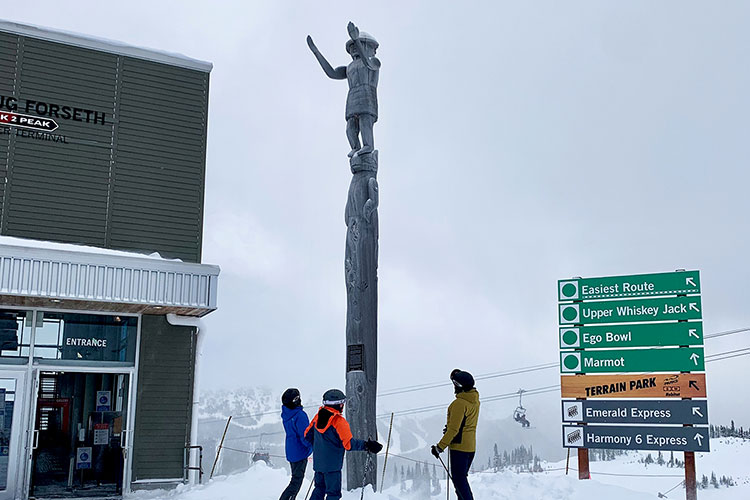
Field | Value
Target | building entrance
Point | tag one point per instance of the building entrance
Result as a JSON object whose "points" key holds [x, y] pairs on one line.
{"points": [[11, 417], [79, 435]]}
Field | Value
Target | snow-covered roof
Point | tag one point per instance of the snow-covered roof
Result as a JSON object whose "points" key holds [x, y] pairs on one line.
{"points": [[46, 274], [112, 46]]}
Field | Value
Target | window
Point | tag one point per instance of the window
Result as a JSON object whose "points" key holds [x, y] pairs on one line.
{"points": [[15, 333], [86, 337]]}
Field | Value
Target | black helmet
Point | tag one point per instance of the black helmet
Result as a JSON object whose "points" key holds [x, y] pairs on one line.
{"points": [[462, 380], [291, 398], [334, 397]]}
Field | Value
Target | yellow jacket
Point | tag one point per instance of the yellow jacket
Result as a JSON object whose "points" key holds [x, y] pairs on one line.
{"points": [[461, 430]]}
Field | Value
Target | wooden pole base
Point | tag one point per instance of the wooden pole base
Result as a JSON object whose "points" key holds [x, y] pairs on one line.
{"points": [[691, 486], [583, 464]]}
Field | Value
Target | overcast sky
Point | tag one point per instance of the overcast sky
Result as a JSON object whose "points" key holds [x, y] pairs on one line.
{"points": [[520, 143]]}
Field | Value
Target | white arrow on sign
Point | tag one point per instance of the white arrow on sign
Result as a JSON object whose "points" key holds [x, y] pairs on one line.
{"points": [[693, 333], [694, 307], [699, 438], [689, 281], [697, 411], [695, 358]]}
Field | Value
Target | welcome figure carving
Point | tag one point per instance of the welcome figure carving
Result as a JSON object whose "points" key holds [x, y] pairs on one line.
{"points": [[361, 256]]}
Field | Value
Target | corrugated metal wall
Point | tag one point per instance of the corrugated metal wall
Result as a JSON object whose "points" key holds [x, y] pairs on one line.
{"points": [[133, 183], [163, 410]]}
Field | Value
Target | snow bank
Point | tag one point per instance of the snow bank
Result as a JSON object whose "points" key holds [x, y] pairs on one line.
{"points": [[625, 478], [264, 483]]}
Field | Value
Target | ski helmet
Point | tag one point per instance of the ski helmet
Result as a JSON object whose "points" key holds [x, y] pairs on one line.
{"points": [[334, 397], [462, 380], [291, 398]]}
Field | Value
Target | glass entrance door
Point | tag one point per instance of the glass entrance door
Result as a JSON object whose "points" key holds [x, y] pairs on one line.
{"points": [[11, 432], [79, 435]]}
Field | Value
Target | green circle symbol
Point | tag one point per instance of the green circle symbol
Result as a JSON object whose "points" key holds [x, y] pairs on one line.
{"points": [[570, 337], [571, 362], [570, 313], [569, 289]]}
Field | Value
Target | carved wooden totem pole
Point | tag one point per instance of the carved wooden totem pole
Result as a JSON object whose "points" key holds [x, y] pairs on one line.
{"points": [[361, 257]]}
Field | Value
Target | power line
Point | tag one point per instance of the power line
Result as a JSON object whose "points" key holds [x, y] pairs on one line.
{"points": [[515, 371], [421, 387], [521, 370], [728, 332]]}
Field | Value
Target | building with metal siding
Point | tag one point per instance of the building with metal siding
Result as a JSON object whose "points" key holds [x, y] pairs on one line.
{"points": [[102, 183], [127, 171]]}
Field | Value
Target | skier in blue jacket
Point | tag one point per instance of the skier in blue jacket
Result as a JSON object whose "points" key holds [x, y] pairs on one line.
{"points": [[297, 447]]}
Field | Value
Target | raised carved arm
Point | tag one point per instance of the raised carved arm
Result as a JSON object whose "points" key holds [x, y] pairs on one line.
{"points": [[372, 63], [337, 73]]}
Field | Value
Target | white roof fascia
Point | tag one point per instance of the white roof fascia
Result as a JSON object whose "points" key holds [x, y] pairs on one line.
{"points": [[91, 276], [112, 46]]}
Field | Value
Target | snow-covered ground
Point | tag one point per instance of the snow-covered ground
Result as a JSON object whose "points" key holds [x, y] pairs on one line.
{"points": [[623, 479]]}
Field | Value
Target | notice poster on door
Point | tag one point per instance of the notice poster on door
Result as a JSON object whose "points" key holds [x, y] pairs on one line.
{"points": [[103, 400], [101, 434], [83, 458]]}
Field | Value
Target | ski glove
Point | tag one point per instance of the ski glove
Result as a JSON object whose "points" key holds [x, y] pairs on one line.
{"points": [[436, 451], [373, 446]]}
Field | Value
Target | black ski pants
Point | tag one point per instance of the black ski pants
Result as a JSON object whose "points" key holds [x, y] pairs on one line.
{"points": [[460, 465], [298, 477]]}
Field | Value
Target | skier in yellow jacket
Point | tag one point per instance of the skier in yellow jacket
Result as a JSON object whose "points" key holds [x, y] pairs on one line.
{"points": [[460, 433]]}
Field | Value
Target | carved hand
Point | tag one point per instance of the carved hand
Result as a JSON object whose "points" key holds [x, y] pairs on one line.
{"points": [[311, 44], [353, 30]]}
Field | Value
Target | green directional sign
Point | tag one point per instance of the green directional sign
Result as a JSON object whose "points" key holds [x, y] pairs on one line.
{"points": [[634, 310], [674, 359], [632, 335], [639, 285]]}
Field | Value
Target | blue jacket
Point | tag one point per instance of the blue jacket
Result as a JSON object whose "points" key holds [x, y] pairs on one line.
{"points": [[330, 434], [295, 423]]}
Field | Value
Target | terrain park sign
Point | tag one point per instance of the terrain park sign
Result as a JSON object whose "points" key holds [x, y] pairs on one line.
{"points": [[651, 385]]}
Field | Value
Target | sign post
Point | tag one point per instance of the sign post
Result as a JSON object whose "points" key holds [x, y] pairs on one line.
{"points": [[638, 337]]}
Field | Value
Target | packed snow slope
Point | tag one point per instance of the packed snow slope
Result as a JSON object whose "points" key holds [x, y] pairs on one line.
{"points": [[626, 478]]}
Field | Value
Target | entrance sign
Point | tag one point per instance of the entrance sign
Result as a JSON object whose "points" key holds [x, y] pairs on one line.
{"points": [[645, 412], [83, 458], [652, 385], [639, 285], [637, 335], [669, 359], [621, 437], [633, 310]]}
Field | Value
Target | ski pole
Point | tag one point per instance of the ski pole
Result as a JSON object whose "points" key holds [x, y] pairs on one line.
{"points": [[310, 488], [367, 469], [449, 476]]}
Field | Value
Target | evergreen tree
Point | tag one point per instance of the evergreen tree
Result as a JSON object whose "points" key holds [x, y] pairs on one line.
{"points": [[714, 482], [660, 459], [704, 482]]}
